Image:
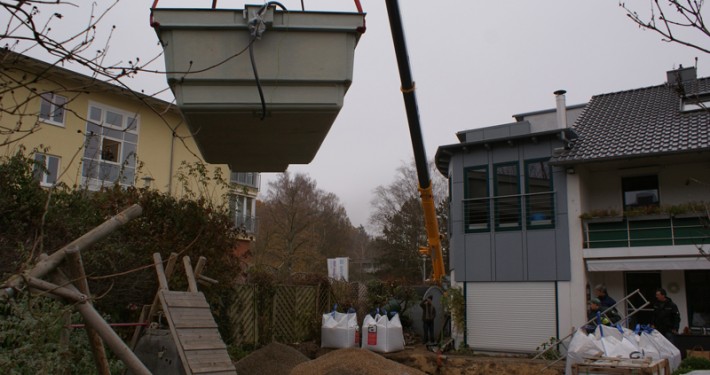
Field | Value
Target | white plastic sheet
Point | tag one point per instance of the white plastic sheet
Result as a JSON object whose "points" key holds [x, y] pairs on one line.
{"points": [[339, 330], [611, 342], [582, 346], [381, 334]]}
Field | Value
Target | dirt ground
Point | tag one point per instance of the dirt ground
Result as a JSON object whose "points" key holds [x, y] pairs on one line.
{"points": [[308, 358]]}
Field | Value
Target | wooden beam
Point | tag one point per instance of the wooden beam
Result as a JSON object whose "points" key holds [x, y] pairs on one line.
{"points": [[162, 280], [47, 265], [75, 267], [191, 282], [94, 320], [200, 266]]}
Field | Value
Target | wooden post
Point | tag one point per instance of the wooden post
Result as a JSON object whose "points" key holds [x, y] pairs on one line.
{"points": [[94, 320], [146, 316], [200, 266], [191, 282], [162, 280], [47, 265], [75, 267]]}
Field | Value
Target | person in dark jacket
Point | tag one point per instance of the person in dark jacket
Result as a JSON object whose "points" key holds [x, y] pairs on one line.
{"points": [[666, 317], [428, 315], [604, 299]]}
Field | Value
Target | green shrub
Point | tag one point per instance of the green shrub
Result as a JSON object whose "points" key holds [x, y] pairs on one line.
{"points": [[692, 363], [35, 340]]}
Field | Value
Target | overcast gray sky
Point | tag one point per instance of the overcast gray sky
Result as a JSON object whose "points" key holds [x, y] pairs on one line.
{"points": [[475, 63]]}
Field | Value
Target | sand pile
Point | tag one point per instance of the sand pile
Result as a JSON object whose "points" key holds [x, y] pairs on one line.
{"points": [[353, 361], [273, 359]]}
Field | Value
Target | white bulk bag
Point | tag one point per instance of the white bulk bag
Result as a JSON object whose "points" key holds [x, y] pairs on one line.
{"points": [[582, 346], [339, 330], [655, 342], [381, 334]]}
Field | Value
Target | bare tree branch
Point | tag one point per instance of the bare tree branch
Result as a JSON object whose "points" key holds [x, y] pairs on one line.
{"points": [[677, 21]]}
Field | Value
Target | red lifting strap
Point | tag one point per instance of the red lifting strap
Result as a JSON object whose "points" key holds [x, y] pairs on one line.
{"points": [[361, 29]]}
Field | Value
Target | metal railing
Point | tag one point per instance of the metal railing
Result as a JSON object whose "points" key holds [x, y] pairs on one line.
{"points": [[506, 212], [247, 223], [655, 230]]}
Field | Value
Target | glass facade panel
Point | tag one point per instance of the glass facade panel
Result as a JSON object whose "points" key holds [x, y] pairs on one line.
{"points": [[476, 200], [507, 200]]}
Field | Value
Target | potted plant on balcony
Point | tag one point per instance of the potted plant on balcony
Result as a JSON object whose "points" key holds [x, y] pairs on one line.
{"points": [[650, 212], [605, 215], [689, 210]]}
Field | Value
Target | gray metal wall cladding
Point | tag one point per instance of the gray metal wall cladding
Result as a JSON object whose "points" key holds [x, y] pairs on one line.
{"points": [[519, 255]]}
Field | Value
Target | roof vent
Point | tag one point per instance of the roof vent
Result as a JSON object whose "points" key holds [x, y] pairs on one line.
{"points": [[680, 75]]}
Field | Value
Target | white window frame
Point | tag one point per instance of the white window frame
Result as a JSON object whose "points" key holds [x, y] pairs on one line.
{"points": [[52, 99], [45, 179], [93, 162]]}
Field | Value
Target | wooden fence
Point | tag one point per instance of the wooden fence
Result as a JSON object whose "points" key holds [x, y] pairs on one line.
{"points": [[286, 313]]}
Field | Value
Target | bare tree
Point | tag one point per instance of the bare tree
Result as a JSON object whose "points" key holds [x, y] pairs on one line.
{"points": [[62, 34], [677, 21], [300, 226], [399, 218]]}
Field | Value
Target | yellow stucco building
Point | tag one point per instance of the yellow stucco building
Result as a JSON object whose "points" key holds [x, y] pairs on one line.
{"points": [[90, 133]]}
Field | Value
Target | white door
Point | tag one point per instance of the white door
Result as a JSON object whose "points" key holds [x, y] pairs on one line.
{"points": [[512, 316]]}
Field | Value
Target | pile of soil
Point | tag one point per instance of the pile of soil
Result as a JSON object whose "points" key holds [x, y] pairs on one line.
{"points": [[451, 364], [353, 361], [273, 359], [277, 359]]}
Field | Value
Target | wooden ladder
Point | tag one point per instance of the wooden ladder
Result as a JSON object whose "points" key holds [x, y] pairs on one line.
{"points": [[201, 348]]}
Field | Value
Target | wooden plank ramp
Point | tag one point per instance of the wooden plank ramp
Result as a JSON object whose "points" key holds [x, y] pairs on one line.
{"points": [[194, 330]]}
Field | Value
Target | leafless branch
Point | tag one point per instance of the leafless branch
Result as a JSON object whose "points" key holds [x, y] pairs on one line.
{"points": [[677, 21]]}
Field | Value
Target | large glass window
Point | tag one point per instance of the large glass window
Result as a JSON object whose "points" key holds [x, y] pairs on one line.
{"points": [[540, 209], [640, 191], [51, 108], [111, 146], [476, 201], [46, 169], [507, 196]]}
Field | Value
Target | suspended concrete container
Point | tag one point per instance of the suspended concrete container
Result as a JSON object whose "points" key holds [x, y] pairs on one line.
{"points": [[304, 64]]}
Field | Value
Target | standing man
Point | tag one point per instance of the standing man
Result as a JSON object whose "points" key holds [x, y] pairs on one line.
{"points": [[604, 299], [428, 315], [666, 318]]}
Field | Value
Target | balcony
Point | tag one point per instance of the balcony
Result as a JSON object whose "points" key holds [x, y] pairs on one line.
{"points": [[246, 223], [250, 179], [645, 231]]}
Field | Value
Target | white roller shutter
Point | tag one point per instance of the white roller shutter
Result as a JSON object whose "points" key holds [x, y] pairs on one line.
{"points": [[513, 316]]}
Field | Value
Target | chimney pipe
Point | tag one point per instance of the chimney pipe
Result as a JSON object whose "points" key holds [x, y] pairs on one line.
{"points": [[561, 109]]}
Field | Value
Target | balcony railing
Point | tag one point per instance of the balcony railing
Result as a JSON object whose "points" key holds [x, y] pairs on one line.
{"points": [[252, 179], [656, 230], [536, 210], [247, 223]]}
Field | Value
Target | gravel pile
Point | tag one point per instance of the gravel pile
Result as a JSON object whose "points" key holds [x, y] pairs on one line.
{"points": [[353, 361], [273, 359]]}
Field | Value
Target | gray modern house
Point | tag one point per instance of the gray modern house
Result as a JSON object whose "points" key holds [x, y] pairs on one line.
{"points": [[509, 227], [540, 212]]}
